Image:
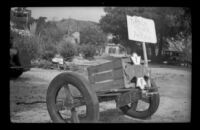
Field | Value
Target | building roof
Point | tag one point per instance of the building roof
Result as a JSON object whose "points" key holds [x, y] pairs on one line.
{"points": [[113, 44]]}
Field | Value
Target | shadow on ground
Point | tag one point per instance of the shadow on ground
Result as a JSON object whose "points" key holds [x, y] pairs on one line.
{"points": [[115, 116], [21, 79]]}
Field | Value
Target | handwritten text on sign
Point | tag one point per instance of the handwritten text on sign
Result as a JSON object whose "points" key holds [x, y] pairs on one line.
{"points": [[141, 29]]}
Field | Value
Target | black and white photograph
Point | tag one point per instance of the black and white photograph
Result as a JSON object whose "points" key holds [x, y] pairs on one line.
{"points": [[100, 64]]}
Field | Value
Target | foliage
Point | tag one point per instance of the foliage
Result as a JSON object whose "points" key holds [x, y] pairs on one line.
{"points": [[67, 50], [41, 24], [92, 35], [35, 46], [31, 45], [186, 48], [33, 28], [45, 64], [169, 21], [88, 51], [48, 30], [73, 25], [49, 35], [45, 36], [49, 52]]}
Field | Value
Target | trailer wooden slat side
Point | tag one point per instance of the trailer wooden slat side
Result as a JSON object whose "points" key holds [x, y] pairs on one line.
{"points": [[113, 84], [103, 76], [106, 76], [115, 75], [109, 75], [106, 66]]}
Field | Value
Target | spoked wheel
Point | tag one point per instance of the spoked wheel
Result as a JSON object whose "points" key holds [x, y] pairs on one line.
{"points": [[70, 99], [144, 107]]}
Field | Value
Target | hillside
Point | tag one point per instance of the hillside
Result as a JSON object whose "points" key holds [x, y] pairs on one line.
{"points": [[75, 25]]}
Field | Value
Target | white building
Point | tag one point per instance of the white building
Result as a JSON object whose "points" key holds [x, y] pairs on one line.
{"points": [[115, 50]]}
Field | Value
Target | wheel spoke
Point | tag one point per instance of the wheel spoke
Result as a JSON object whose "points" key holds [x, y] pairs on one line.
{"points": [[60, 105], [67, 92], [145, 98], [68, 101], [74, 117], [82, 113]]}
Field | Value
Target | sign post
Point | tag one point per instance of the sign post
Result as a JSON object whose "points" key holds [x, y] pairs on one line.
{"points": [[145, 54], [142, 30]]}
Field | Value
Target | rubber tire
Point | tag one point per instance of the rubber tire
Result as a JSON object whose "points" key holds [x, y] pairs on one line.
{"points": [[82, 85], [153, 106], [15, 73]]}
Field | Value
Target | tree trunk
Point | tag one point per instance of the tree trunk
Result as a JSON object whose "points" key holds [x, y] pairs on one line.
{"points": [[160, 48], [153, 52]]}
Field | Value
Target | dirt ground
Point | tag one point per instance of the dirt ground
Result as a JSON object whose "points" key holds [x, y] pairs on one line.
{"points": [[28, 94]]}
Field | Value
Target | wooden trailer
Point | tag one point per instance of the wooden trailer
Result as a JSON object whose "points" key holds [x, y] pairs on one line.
{"points": [[115, 80]]}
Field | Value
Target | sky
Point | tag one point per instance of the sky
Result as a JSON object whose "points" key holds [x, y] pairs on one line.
{"points": [[57, 13]]}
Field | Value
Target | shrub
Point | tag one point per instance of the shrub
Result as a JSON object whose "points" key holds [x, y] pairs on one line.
{"points": [[48, 55], [88, 51], [49, 52], [67, 50], [29, 45], [45, 64]]}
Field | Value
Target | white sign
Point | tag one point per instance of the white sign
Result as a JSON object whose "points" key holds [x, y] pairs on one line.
{"points": [[141, 29]]}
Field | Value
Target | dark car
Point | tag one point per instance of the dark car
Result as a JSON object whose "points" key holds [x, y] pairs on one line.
{"points": [[19, 61]]}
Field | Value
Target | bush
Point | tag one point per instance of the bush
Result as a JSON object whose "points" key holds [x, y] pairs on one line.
{"points": [[45, 64], [88, 51], [67, 50], [30, 45], [48, 55], [49, 52]]}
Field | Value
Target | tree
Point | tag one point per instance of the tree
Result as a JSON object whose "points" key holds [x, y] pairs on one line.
{"points": [[91, 39], [41, 21], [67, 50], [50, 36], [92, 35], [168, 22], [30, 45]]}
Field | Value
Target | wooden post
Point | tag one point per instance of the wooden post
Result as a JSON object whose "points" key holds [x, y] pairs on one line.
{"points": [[146, 61], [145, 54]]}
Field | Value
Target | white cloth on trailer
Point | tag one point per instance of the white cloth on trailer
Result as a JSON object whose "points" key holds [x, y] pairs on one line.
{"points": [[140, 80]]}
